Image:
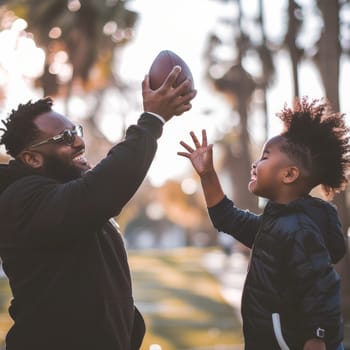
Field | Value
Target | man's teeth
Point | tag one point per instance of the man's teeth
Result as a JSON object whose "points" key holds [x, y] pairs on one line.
{"points": [[80, 158]]}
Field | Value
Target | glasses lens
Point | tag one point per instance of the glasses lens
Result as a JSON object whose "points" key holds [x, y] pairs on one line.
{"points": [[68, 137], [79, 130]]}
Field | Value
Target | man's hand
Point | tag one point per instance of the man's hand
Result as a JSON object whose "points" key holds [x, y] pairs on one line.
{"points": [[314, 344], [168, 101]]}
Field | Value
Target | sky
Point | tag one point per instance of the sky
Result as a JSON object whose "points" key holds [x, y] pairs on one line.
{"points": [[181, 26]]}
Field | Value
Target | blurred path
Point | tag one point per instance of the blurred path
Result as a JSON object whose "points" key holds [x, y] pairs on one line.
{"points": [[182, 301], [230, 270]]}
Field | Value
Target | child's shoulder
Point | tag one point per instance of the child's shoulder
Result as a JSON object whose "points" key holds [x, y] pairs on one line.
{"points": [[306, 214], [293, 222]]}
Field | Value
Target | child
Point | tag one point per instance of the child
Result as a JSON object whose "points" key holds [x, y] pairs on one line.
{"points": [[297, 238]]}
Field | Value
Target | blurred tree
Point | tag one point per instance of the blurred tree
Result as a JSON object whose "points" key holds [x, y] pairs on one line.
{"points": [[290, 41], [81, 41], [240, 87], [264, 51], [186, 210], [328, 56], [79, 37]]}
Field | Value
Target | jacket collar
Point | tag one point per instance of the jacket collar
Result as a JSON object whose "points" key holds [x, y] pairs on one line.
{"points": [[273, 208]]}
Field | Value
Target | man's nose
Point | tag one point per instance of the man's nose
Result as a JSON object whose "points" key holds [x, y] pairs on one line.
{"points": [[78, 141]]}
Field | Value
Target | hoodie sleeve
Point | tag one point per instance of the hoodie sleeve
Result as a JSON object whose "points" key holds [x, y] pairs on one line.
{"points": [[241, 224], [84, 204], [316, 283]]}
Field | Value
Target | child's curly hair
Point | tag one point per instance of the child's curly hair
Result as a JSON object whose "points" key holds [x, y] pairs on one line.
{"points": [[318, 138], [20, 130]]}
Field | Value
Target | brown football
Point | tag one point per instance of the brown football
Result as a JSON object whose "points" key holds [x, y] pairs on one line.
{"points": [[162, 66]]}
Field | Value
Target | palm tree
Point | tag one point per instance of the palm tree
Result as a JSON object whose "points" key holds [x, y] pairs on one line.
{"points": [[88, 33], [80, 38], [238, 86], [290, 42], [327, 59]]}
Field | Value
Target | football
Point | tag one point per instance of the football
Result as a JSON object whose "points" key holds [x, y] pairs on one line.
{"points": [[163, 64]]}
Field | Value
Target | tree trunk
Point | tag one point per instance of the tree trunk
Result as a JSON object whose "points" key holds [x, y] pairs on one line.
{"points": [[328, 61], [294, 52], [238, 163]]}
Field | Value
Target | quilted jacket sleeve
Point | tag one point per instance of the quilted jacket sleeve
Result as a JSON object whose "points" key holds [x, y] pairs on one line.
{"points": [[241, 224]]}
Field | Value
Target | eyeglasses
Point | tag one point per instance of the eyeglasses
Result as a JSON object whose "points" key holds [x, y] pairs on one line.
{"points": [[66, 137]]}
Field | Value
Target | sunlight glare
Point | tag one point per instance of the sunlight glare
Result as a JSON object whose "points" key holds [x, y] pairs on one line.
{"points": [[55, 32], [61, 66], [19, 25], [155, 211], [22, 56], [110, 28], [189, 186], [74, 5], [155, 347], [30, 58]]}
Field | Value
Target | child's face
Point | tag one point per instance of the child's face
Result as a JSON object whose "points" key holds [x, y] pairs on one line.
{"points": [[267, 172]]}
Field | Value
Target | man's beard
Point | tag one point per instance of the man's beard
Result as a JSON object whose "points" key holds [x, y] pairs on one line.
{"points": [[58, 169]]}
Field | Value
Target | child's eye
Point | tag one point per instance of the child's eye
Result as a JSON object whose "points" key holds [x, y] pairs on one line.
{"points": [[263, 158]]}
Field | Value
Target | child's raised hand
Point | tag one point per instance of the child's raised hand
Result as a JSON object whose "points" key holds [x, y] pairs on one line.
{"points": [[202, 156], [202, 161]]}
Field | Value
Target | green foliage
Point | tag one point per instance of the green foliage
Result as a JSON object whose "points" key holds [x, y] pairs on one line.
{"points": [[81, 32]]}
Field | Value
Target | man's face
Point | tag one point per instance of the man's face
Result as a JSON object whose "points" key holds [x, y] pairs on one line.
{"points": [[61, 161]]}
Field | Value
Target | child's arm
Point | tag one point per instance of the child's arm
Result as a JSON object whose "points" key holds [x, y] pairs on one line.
{"points": [[225, 217], [202, 161]]}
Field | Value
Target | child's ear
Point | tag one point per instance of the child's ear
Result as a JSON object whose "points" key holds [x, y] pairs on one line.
{"points": [[32, 159], [291, 174]]}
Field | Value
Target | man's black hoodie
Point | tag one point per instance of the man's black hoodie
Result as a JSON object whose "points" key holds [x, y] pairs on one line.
{"points": [[65, 260]]}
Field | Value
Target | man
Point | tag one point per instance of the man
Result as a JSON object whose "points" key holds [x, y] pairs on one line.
{"points": [[65, 261]]}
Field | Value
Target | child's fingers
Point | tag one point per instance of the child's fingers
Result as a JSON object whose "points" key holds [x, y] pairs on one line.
{"points": [[186, 146], [195, 140], [204, 138], [184, 154]]}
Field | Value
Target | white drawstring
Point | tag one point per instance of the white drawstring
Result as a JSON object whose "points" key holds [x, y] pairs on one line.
{"points": [[276, 322]]}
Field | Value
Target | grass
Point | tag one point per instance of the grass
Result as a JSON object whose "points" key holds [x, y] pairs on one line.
{"points": [[179, 299], [5, 320], [182, 303]]}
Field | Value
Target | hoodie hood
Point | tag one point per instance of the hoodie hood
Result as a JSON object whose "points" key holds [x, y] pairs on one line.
{"points": [[13, 171], [325, 215]]}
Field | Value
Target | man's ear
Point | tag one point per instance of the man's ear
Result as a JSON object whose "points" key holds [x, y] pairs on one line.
{"points": [[290, 174], [32, 159]]}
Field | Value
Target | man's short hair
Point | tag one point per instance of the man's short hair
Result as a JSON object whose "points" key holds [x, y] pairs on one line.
{"points": [[20, 130]]}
